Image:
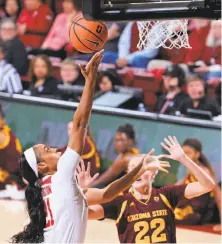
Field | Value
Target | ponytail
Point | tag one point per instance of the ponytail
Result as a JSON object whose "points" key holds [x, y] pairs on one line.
{"points": [[34, 231], [204, 161], [196, 145]]}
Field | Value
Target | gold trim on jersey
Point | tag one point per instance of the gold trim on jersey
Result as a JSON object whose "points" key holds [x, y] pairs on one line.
{"points": [[92, 151], [123, 207], [135, 150], [18, 146], [165, 200], [144, 203], [6, 130]]}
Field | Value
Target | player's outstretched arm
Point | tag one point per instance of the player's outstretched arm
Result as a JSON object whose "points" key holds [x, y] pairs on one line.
{"points": [[204, 183], [96, 212], [82, 115], [98, 196]]}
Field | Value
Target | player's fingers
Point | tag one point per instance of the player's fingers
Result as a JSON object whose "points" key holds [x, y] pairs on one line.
{"points": [[97, 62], [95, 176], [151, 152], [88, 167], [165, 164], [165, 146], [171, 140], [92, 61], [96, 57], [175, 139], [83, 69], [163, 156], [164, 170], [168, 142], [83, 165], [79, 168], [77, 172]]}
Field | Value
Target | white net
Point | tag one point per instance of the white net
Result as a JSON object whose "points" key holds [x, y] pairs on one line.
{"points": [[168, 34]]}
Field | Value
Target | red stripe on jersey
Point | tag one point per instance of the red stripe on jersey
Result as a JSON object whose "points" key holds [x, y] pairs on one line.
{"points": [[46, 181], [50, 222]]}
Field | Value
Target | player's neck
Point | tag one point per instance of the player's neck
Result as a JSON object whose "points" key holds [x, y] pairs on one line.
{"points": [[143, 192]]}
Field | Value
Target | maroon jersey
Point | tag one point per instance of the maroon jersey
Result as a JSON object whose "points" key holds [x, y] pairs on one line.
{"points": [[195, 211], [10, 151], [90, 154], [147, 221]]}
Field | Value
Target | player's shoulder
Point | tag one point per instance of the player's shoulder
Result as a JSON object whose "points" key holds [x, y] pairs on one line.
{"points": [[164, 189], [171, 190], [122, 197]]}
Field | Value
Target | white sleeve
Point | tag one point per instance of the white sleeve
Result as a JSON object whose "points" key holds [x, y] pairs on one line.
{"points": [[67, 164], [64, 182]]}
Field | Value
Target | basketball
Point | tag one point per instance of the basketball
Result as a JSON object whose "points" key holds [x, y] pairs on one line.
{"points": [[87, 36]]}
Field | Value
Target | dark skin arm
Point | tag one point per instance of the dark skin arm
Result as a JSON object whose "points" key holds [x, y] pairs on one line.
{"points": [[82, 115], [118, 166]]}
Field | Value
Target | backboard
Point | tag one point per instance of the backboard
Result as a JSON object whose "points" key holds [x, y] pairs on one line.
{"points": [[122, 10]]}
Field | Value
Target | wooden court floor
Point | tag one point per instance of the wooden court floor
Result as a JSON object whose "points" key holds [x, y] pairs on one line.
{"points": [[13, 217]]}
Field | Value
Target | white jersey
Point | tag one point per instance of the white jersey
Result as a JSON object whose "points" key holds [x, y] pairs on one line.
{"points": [[65, 203]]}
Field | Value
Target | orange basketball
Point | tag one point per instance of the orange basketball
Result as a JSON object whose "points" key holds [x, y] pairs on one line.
{"points": [[87, 36]]}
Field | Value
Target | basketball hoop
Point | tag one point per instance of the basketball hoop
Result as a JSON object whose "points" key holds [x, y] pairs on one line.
{"points": [[167, 34]]}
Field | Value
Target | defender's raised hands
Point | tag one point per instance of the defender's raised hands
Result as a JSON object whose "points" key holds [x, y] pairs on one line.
{"points": [[171, 145], [83, 175], [152, 163]]}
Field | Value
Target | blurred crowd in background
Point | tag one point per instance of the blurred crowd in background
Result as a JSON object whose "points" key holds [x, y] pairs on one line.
{"points": [[37, 59]]}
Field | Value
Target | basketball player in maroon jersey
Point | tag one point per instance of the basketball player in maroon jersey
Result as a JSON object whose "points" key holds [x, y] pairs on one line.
{"points": [[146, 214]]}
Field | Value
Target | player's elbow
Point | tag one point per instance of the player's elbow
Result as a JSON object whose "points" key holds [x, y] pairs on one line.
{"points": [[107, 196], [211, 185]]}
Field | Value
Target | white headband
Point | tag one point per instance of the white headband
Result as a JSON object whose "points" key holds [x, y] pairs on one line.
{"points": [[31, 159]]}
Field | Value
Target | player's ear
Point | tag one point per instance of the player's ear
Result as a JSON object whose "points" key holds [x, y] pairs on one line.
{"points": [[43, 168]]}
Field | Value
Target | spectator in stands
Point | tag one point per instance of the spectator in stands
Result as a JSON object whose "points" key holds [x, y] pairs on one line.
{"points": [[70, 73], [129, 55], [198, 210], [13, 8], [210, 57], [42, 81], [57, 39], [107, 80], [173, 79], [111, 46], [123, 142], [90, 152], [34, 22], [198, 98], [10, 81], [10, 150], [15, 50]]}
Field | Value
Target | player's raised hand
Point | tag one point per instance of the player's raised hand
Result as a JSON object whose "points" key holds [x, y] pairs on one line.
{"points": [[171, 145], [152, 163], [90, 71], [83, 175]]}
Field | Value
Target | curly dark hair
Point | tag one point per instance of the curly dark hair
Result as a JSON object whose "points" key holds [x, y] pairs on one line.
{"points": [[34, 231], [128, 130]]}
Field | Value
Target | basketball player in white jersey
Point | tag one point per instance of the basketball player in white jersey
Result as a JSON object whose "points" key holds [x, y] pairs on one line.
{"points": [[57, 206]]}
